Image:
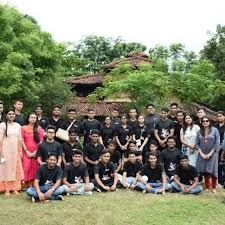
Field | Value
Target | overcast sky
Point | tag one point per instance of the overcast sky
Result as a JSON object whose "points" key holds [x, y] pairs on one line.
{"points": [[146, 21]]}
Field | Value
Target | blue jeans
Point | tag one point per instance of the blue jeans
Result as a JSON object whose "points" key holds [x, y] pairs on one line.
{"points": [[129, 180], [194, 190], [155, 186], [58, 191]]}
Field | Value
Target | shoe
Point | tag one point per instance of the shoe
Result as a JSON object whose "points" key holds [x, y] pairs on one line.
{"points": [[33, 200], [88, 193], [59, 198], [98, 190], [144, 191]]}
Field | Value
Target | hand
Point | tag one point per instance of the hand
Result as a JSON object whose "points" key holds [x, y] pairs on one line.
{"points": [[192, 147], [113, 188], [140, 148], [187, 190], [107, 188], [29, 154], [203, 156], [148, 187], [96, 162], [160, 190], [123, 148], [183, 188], [124, 184], [48, 194], [132, 186], [208, 156], [41, 197], [87, 187]]}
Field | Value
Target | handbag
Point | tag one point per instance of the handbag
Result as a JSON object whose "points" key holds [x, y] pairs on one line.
{"points": [[64, 134]]}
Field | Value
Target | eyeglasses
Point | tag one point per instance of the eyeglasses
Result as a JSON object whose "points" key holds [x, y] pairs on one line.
{"points": [[205, 121]]}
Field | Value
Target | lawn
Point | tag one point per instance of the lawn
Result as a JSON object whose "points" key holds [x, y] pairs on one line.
{"points": [[122, 207]]}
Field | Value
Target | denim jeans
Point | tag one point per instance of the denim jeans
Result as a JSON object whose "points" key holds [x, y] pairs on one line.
{"points": [[58, 191], [129, 180], [155, 186], [80, 189], [194, 190]]}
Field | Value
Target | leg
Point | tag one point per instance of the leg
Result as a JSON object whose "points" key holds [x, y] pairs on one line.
{"points": [[196, 189], [207, 180], [130, 181], [176, 187], [214, 183], [58, 191]]}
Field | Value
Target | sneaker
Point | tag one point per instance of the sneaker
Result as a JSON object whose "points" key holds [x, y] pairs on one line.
{"points": [[33, 200], [60, 198], [98, 190]]}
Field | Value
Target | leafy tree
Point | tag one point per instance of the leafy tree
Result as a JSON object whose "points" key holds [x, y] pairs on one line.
{"points": [[29, 61], [176, 51]]}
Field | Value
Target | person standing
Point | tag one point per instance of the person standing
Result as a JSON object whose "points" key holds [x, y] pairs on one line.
{"points": [[32, 136], [20, 118], [56, 120], [188, 135], [11, 171], [2, 116], [42, 120], [208, 143]]}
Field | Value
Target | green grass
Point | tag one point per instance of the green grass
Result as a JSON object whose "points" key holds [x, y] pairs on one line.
{"points": [[122, 207]]}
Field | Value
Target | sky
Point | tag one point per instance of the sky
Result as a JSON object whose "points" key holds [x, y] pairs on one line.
{"points": [[190, 22]]}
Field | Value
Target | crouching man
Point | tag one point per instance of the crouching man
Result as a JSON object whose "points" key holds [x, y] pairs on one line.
{"points": [[186, 178], [106, 177], [47, 184], [152, 177], [76, 178]]}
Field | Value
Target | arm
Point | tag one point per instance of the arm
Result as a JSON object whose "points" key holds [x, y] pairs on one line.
{"points": [[124, 179], [99, 182], [87, 183], [177, 181], [119, 166], [195, 183], [37, 188], [119, 144], [40, 162], [48, 194], [115, 175], [59, 160], [144, 143], [90, 161]]}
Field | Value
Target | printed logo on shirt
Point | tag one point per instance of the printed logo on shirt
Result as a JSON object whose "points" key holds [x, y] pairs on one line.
{"points": [[78, 180], [106, 175]]}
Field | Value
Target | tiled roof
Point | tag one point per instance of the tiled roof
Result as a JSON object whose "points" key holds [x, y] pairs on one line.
{"points": [[95, 78], [101, 108], [134, 58]]}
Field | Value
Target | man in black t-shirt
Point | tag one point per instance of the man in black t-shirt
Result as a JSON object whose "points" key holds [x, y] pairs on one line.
{"points": [[20, 118], [186, 177], [49, 146], [70, 146], [106, 178], [47, 182], [76, 178], [115, 156], [152, 177], [178, 124], [92, 152], [170, 156], [164, 128], [89, 125], [131, 170]]}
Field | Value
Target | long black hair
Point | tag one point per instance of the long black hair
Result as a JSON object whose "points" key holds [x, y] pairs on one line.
{"points": [[35, 128], [6, 120], [185, 124], [202, 130]]}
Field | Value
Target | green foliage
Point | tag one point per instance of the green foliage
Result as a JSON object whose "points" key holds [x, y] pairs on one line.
{"points": [[29, 61]]}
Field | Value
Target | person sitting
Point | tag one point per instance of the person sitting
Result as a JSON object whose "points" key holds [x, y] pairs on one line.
{"points": [[47, 183], [131, 170], [115, 155], [106, 178], [153, 148], [132, 147], [186, 177], [76, 178], [152, 178]]}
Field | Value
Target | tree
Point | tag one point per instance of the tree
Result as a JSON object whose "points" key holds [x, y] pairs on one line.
{"points": [[176, 51], [29, 61]]}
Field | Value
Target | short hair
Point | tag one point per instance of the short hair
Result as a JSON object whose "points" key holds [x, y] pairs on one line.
{"points": [[133, 108], [171, 138], [123, 115], [219, 112], [105, 151], [132, 153], [38, 106], [114, 109], [77, 152], [173, 103], [95, 131], [131, 142], [71, 110], [50, 127], [56, 106], [51, 154], [182, 156], [201, 108], [181, 111], [112, 142], [152, 153], [164, 109], [1, 102], [72, 130], [90, 110], [18, 100], [150, 104], [153, 142]]}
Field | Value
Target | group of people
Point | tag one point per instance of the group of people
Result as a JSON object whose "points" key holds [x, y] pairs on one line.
{"points": [[152, 153]]}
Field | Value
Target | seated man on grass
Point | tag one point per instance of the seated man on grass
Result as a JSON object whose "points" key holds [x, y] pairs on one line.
{"points": [[106, 178], [47, 184], [131, 170], [152, 178], [76, 178], [186, 177]]}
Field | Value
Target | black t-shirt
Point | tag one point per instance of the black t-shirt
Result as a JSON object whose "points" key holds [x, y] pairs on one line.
{"points": [[115, 122], [154, 174], [48, 176], [164, 127], [158, 154], [77, 126], [123, 134], [186, 175], [141, 132], [177, 127], [20, 118], [132, 168], [46, 148], [221, 130], [56, 123], [107, 134], [133, 124], [173, 118], [43, 122], [115, 158], [93, 152], [75, 174], [68, 150], [151, 120], [169, 158], [105, 171]]}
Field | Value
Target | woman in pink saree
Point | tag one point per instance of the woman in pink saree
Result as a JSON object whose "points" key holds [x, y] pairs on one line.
{"points": [[32, 135], [11, 171]]}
